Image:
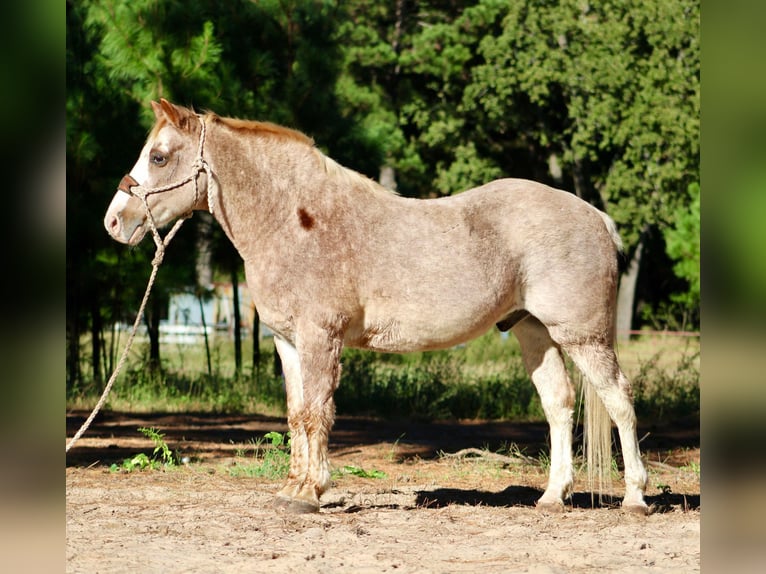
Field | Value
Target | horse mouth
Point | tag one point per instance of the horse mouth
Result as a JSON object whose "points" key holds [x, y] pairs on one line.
{"points": [[137, 235]]}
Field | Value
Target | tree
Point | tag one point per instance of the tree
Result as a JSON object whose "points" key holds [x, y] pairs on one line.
{"points": [[614, 90], [683, 246], [599, 99]]}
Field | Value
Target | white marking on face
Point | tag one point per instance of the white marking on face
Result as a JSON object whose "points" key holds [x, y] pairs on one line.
{"points": [[119, 202]]}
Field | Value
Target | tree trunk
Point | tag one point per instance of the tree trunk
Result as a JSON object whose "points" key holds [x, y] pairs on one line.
{"points": [[72, 341], [153, 330], [96, 340], [387, 177], [203, 269], [554, 170], [256, 341], [237, 321], [278, 370], [204, 333], [204, 243], [627, 294]]}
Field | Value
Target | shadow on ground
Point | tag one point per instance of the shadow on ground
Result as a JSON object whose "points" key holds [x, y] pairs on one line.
{"points": [[527, 496], [216, 435]]}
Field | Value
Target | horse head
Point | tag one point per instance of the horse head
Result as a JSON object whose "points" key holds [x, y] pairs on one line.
{"points": [[165, 183]]}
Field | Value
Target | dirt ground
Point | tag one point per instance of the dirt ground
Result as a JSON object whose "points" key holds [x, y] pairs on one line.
{"points": [[430, 513]]}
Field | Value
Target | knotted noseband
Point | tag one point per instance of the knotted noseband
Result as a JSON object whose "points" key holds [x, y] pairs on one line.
{"points": [[129, 185]]}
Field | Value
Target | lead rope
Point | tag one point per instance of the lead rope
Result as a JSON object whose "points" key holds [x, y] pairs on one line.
{"points": [[199, 165]]}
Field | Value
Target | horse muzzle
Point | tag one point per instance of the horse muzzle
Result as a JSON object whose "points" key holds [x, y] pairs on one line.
{"points": [[124, 221]]}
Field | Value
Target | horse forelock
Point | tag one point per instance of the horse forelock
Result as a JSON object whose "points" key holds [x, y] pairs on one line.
{"points": [[158, 125]]}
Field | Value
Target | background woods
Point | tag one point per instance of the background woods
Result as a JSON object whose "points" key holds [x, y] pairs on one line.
{"points": [[600, 98]]}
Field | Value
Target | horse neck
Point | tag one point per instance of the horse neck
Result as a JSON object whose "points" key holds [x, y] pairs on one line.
{"points": [[260, 179]]}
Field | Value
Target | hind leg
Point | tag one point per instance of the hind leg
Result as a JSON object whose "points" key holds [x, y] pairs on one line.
{"points": [[598, 362], [545, 365]]}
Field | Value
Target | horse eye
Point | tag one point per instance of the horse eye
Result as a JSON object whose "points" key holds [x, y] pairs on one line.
{"points": [[158, 159]]}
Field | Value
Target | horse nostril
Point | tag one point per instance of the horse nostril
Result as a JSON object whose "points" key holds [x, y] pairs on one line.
{"points": [[113, 224]]}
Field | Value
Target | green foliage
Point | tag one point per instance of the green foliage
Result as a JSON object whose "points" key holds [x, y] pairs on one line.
{"points": [[484, 380], [272, 462], [683, 246], [160, 446], [162, 457], [613, 87], [358, 471], [661, 393]]}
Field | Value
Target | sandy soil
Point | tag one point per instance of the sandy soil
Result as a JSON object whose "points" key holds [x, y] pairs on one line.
{"points": [[429, 513]]}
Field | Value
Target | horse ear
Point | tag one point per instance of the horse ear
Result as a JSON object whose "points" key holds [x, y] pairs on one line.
{"points": [[157, 110], [178, 116], [172, 113]]}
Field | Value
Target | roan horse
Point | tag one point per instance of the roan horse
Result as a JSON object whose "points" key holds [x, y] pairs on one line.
{"points": [[333, 259]]}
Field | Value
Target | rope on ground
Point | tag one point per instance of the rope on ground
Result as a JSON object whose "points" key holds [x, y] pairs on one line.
{"points": [[487, 455]]}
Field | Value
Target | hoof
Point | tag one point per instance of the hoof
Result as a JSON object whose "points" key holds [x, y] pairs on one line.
{"points": [[555, 507], [295, 505], [636, 508]]}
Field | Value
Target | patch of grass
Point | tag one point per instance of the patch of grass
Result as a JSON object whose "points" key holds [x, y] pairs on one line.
{"points": [[272, 461], [483, 379], [391, 457], [440, 385], [358, 471], [667, 392], [693, 467]]}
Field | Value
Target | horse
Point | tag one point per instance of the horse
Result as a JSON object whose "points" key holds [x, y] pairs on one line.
{"points": [[332, 260]]}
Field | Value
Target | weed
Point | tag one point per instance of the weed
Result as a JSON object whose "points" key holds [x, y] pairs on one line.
{"points": [[664, 488], [392, 453], [358, 471], [544, 459], [160, 446], [162, 457], [272, 462], [692, 467]]}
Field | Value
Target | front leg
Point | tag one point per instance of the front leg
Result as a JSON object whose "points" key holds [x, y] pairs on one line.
{"points": [[311, 413], [299, 455]]}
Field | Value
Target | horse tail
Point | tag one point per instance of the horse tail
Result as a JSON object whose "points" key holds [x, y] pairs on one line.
{"points": [[597, 441], [611, 227], [597, 438]]}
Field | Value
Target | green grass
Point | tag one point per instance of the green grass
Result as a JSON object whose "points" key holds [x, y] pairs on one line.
{"points": [[483, 379], [271, 461]]}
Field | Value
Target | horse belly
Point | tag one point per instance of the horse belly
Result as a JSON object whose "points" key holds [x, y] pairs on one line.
{"points": [[408, 328]]}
